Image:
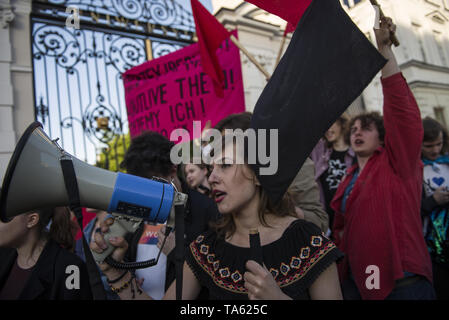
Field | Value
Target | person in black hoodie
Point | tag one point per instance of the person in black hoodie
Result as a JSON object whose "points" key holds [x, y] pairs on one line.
{"points": [[37, 264]]}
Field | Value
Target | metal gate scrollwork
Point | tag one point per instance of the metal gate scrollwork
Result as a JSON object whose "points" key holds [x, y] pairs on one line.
{"points": [[79, 95]]}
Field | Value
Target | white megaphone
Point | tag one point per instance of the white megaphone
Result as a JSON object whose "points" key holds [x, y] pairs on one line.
{"points": [[34, 180]]}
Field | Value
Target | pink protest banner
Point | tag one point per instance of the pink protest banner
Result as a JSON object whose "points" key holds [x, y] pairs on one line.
{"points": [[173, 91]]}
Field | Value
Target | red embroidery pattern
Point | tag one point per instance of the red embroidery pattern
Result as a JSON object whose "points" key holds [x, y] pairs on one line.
{"points": [[306, 265], [222, 277], [286, 274]]}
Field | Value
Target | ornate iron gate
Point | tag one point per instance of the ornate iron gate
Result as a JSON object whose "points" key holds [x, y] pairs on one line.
{"points": [[79, 95]]}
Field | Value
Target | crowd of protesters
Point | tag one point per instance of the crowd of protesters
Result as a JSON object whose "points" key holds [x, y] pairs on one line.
{"points": [[366, 217]]}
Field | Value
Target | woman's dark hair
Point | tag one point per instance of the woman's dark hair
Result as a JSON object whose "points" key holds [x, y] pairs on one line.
{"points": [[148, 156], [235, 121], [366, 119], [61, 226], [432, 129], [225, 226], [343, 122]]}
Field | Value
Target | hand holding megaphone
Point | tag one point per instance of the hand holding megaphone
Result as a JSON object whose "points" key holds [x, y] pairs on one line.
{"points": [[116, 246]]}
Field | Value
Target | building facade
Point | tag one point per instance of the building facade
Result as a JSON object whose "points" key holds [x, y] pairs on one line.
{"points": [[423, 54]]}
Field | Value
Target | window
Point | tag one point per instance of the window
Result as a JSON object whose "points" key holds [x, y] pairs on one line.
{"points": [[439, 115], [442, 52], [418, 35]]}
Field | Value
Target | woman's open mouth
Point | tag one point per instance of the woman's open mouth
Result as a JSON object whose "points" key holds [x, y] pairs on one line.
{"points": [[218, 195]]}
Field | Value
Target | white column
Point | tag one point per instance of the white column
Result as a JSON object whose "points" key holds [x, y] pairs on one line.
{"points": [[16, 76], [7, 133]]}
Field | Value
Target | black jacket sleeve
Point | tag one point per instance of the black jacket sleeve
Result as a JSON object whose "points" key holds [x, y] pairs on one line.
{"points": [[71, 279]]}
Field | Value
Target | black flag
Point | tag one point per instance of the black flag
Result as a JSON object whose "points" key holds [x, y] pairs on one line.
{"points": [[327, 65]]}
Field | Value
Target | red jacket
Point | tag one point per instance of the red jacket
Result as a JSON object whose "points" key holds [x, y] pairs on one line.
{"points": [[382, 224]]}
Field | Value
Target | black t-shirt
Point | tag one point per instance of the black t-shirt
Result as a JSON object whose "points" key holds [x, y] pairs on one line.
{"points": [[15, 283], [295, 261], [330, 179]]}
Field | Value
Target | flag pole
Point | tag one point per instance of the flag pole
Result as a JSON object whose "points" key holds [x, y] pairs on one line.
{"points": [[250, 57], [393, 37], [284, 37]]}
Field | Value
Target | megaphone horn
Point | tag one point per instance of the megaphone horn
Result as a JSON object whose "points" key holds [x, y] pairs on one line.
{"points": [[34, 180]]}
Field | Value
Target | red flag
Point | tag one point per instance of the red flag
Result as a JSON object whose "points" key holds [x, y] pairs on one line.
{"points": [[211, 34], [289, 28], [289, 10]]}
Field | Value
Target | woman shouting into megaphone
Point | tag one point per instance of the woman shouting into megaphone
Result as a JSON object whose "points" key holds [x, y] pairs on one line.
{"points": [[298, 260]]}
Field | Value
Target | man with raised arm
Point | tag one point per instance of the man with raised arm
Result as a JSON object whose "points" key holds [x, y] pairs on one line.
{"points": [[378, 224]]}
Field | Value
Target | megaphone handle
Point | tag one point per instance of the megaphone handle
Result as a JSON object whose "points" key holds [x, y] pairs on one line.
{"points": [[115, 230], [138, 264]]}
